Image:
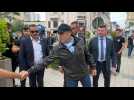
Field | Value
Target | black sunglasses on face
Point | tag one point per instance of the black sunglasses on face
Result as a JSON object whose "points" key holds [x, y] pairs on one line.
{"points": [[34, 31], [73, 28]]}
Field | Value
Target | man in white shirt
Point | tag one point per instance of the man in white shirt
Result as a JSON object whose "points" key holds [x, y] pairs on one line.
{"points": [[32, 52]]}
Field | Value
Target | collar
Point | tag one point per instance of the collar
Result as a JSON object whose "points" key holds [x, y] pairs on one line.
{"points": [[71, 40], [34, 39], [76, 40], [70, 43], [99, 37]]}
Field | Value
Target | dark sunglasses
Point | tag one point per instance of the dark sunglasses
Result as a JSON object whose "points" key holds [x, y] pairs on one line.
{"points": [[73, 28], [34, 31]]}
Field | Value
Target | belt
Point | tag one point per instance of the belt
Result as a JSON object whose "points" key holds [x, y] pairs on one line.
{"points": [[101, 61]]}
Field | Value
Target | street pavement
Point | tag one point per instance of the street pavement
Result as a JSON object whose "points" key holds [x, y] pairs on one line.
{"points": [[53, 78]]}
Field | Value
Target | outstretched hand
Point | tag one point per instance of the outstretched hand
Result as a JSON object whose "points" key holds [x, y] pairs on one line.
{"points": [[114, 71], [61, 69], [93, 72], [24, 74]]}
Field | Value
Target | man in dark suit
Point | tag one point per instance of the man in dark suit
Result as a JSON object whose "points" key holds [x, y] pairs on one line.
{"points": [[119, 44], [72, 57], [76, 32], [103, 51], [33, 50], [130, 44], [25, 33]]}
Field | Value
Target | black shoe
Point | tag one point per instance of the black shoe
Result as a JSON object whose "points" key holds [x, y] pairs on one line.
{"points": [[17, 86]]}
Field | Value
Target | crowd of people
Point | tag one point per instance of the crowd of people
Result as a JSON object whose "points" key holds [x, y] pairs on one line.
{"points": [[77, 60]]}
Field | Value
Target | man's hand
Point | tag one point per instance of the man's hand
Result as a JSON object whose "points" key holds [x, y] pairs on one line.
{"points": [[24, 75], [15, 49], [114, 70], [119, 52], [18, 75], [93, 72], [61, 69]]}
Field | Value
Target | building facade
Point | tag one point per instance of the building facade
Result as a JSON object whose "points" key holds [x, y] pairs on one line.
{"points": [[130, 19], [33, 18], [54, 19]]}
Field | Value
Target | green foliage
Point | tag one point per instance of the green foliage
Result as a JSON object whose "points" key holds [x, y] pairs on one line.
{"points": [[87, 35], [97, 22], [113, 34], [55, 64], [131, 24], [4, 35], [17, 26], [6, 14]]}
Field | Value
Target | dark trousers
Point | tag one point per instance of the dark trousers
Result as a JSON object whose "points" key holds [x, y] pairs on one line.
{"points": [[101, 66], [13, 69], [85, 81], [130, 49], [23, 83], [118, 62], [36, 79]]}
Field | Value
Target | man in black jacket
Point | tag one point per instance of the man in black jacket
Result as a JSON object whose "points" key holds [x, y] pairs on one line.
{"points": [[76, 32], [130, 44], [72, 57], [119, 44]]}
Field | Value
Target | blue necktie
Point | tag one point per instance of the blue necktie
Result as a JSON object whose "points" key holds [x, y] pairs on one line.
{"points": [[102, 49]]}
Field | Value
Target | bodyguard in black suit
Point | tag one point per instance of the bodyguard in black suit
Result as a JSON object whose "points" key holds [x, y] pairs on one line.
{"points": [[103, 51], [130, 44], [32, 52], [119, 44]]}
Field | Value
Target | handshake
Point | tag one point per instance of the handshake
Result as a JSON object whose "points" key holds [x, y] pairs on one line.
{"points": [[23, 75]]}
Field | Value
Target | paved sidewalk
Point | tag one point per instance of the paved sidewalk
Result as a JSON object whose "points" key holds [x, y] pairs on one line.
{"points": [[53, 78]]}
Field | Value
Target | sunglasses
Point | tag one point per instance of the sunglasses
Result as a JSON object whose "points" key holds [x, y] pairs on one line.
{"points": [[34, 31], [73, 28]]}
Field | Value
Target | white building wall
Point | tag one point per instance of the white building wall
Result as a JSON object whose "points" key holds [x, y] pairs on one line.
{"points": [[68, 17]]}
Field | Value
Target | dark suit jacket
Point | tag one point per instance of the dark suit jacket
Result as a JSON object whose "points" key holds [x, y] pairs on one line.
{"points": [[75, 65], [130, 41], [110, 51], [26, 54]]}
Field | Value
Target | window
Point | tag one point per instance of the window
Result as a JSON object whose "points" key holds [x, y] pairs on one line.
{"points": [[82, 24], [62, 21], [49, 24], [55, 24], [81, 17]]}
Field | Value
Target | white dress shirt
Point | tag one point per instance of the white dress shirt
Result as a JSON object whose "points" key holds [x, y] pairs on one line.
{"points": [[104, 48], [38, 55]]}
